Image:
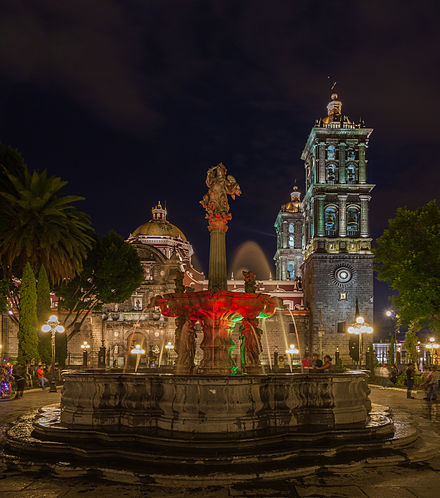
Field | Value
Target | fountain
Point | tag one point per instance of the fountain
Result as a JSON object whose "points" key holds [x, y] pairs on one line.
{"points": [[220, 413]]}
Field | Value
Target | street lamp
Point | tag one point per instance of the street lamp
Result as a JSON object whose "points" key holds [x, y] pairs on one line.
{"points": [[169, 347], [291, 350], [137, 351], [85, 347], [358, 328], [53, 326], [433, 347]]}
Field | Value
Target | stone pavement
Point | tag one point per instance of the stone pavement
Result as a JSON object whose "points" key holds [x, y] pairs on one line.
{"points": [[420, 479]]}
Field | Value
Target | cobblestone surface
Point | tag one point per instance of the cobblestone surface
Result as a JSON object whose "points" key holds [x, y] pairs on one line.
{"points": [[418, 479]]}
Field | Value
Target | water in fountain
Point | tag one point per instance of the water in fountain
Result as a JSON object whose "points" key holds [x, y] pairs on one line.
{"points": [[250, 256]]}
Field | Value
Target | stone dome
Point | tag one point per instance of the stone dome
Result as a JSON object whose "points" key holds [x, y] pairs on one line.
{"points": [[159, 226]]}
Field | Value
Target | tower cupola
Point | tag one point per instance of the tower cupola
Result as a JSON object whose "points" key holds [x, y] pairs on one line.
{"points": [[159, 212], [334, 108]]}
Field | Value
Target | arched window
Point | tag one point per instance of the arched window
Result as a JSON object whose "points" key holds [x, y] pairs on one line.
{"points": [[351, 173], [331, 153], [331, 221], [351, 155], [353, 221], [291, 242], [331, 174], [291, 271], [291, 228]]}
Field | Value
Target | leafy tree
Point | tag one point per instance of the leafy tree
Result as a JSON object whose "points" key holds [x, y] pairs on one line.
{"points": [[12, 162], [43, 313], [27, 330], [411, 340], [391, 358], [39, 226], [111, 273], [408, 257]]}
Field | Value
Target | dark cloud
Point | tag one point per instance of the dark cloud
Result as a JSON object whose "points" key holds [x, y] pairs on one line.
{"points": [[91, 50]]}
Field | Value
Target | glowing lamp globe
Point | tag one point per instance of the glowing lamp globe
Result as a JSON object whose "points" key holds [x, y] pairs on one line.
{"points": [[46, 328], [59, 328], [53, 318]]}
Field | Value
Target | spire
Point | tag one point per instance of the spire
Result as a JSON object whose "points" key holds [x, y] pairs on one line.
{"points": [[159, 212]]}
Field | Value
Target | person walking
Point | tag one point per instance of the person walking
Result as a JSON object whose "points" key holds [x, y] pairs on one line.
{"points": [[410, 375], [433, 379], [20, 380], [41, 377]]}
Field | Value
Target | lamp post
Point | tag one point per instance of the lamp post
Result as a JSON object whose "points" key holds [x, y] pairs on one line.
{"points": [[169, 347], [291, 350], [137, 351], [360, 327], [433, 347], [53, 326], [85, 347]]}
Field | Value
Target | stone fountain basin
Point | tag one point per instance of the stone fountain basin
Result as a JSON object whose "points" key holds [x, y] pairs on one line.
{"points": [[213, 407]]}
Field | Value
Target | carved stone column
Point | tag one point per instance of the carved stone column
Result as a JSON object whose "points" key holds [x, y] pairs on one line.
{"points": [[362, 163], [342, 215], [321, 164], [364, 215], [342, 163], [320, 215]]}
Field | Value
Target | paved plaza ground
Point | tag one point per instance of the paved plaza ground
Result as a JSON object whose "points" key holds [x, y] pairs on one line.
{"points": [[421, 479]]}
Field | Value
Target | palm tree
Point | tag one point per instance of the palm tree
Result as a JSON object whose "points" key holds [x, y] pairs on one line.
{"points": [[39, 225]]}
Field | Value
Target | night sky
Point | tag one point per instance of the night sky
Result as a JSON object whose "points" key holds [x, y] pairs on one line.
{"points": [[132, 101]]}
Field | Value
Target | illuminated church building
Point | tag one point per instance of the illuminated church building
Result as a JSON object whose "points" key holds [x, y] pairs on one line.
{"points": [[323, 258]]}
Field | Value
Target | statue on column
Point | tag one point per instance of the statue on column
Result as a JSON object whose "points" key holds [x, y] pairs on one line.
{"points": [[215, 201]]}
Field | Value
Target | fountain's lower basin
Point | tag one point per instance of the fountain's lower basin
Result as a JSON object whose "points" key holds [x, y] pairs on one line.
{"points": [[204, 407]]}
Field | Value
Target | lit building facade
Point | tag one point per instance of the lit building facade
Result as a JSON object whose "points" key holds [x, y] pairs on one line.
{"points": [[338, 261]]}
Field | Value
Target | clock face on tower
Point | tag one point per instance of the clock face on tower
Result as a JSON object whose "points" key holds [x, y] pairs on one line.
{"points": [[343, 274]]}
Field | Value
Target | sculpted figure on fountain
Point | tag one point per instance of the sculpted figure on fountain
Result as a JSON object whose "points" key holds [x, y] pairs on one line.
{"points": [[215, 201]]}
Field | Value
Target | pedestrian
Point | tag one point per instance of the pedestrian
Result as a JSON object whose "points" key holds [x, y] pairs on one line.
{"points": [[20, 380], [305, 361], [41, 377], [410, 375], [433, 379], [394, 374], [327, 364], [383, 374], [316, 361]]}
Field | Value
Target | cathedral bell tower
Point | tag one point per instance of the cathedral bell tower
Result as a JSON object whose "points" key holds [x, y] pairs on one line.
{"points": [[289, 229], [337, 245]]}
